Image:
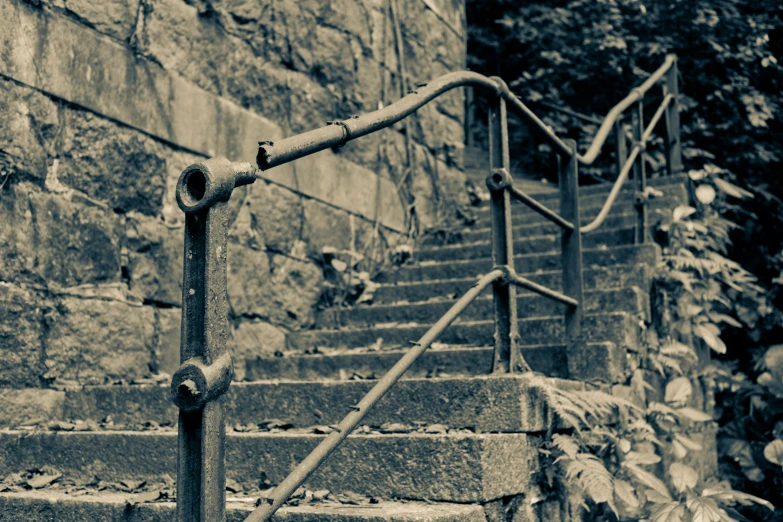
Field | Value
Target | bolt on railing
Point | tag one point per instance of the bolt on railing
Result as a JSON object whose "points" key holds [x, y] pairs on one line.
{"points": [[203, 192]]}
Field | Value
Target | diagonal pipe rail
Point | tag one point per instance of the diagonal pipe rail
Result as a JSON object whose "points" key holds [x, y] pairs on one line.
{"points": [[215, 191], [635, 151], [358, 412]]}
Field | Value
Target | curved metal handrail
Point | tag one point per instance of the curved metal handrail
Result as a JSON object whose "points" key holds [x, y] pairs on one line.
{"points": [[620, 181], [613, 115], [338, 133]]}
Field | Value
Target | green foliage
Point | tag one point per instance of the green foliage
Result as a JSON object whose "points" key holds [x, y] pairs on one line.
{"points": [[635, 458], [587, 54]]}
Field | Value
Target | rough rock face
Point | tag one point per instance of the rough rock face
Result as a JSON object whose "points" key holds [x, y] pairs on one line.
{"points": [[21, 335], [91, 241], [91, 340]]}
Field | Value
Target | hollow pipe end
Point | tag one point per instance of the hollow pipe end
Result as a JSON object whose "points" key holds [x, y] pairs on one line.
{"points": [[203, 184], [195, 384], [498, 179]]}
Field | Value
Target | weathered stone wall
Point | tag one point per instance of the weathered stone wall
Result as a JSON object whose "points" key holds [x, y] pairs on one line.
{"points": [[103, 104]]}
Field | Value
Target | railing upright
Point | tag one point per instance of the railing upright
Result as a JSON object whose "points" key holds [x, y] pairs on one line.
{"points": [[640, 175], [505, 295], [672, 118], [204, 376], [621, 148], [572, 245]]}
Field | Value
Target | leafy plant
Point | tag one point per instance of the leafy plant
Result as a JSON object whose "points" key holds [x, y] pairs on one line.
{"points": [[637, 458]]}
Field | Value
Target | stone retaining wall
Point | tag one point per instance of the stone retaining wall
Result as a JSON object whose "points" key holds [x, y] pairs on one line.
{"points": [[103, 104]]}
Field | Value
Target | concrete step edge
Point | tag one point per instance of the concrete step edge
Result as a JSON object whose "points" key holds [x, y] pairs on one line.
{"points": [[52, 506], [462, 467]]}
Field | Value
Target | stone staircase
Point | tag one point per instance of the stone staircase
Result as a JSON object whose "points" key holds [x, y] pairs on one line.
{"points": [[449, 442]]}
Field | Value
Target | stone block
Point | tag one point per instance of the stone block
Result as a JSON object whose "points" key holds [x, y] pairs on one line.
{"points": [[120, 166], [75, 242], [463, 468], [275, 218], [115, 18], [326, 226], [97, 340], [109, 79], [251, 339], [29, 406], [17, 248], [30, 124], [21, 332], [420, 26], [154, 259], [282, 289], [168, 330], [509, 404], [330, 178], [605, 362], [350, 16]]}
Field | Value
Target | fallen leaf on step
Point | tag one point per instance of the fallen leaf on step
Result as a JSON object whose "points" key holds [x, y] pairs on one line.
{"points": [[436, 429], [320, 494], [395, 427], [141, 498], [44, 480]]}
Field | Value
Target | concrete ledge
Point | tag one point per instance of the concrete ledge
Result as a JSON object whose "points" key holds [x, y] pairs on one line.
{"points": [[66, 60], [449, 468], [550, 360], [29, 406], [617, 327], [49, 506], [647, 253], [627, 299], [486, 404]]}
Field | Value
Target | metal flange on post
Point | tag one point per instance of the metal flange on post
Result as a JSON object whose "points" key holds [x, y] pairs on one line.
{"points": [[198, 387]]}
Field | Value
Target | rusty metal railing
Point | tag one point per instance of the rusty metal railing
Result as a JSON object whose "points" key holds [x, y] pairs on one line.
{"points": [[204, 189]]}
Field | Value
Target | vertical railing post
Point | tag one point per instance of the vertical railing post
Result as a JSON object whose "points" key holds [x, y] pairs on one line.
{"points": [[198, 386], [470, 116], [621, 151], [505, 295], [640, 176], [672, 119], [571, 245]]}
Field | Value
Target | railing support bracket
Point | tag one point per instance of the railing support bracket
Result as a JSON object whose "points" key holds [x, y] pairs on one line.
{"points": [[197, 388]]}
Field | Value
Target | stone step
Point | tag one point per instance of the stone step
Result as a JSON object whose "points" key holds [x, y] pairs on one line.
{"points": [[617, 276], [98, 506], [647, 253], [457, 467], [439, 361], [628, 299], [618, 327], [551, 198], [483, 404], [591, 203], [523, 215], [476, 233], [525, 245]]}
